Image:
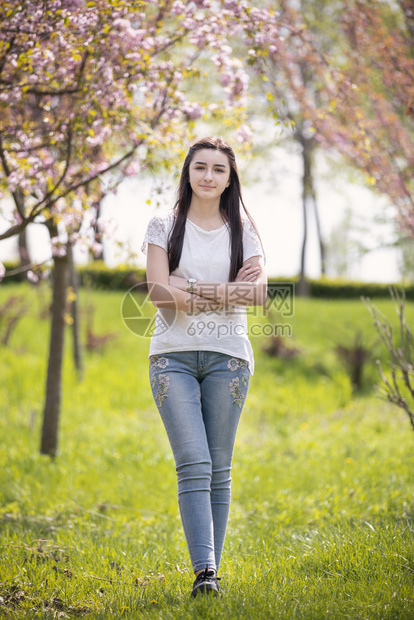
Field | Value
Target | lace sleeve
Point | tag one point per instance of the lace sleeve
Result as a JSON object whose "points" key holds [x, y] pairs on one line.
{"points": [[156, 234], [252, 245]]}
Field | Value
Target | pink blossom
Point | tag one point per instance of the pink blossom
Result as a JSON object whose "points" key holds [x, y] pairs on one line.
{"points": [[198, 39], [72, 5], [58, 248], [123, 24], [178, 7], [133, 168], [230, 4], [96, 248], [106, 227], [193, 111], [133, 89], [13, 181], [244, 133], [225, 79], [32, 277]]}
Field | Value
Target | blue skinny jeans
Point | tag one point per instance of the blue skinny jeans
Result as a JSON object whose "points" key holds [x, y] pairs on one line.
{"points": [[200, 396]]}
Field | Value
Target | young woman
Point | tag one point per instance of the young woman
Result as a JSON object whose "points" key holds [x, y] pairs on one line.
{"points": [[204, 266]]}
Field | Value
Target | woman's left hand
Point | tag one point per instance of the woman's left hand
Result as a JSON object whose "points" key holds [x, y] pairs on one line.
{"points": [[247, 273]]}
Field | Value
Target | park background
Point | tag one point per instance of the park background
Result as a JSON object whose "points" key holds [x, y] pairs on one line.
{"points": [[357, 223], [322, 513]]}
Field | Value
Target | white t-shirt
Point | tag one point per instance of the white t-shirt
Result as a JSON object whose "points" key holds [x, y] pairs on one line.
{"points": [[206, 257]]}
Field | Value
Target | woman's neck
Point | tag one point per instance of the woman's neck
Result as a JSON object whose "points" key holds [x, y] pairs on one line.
{"points": [[205, 212]]}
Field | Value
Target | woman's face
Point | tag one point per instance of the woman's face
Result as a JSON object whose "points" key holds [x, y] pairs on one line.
{"points": [[209, 173]]}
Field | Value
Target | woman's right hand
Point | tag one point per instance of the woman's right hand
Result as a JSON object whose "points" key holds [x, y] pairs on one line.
{"points": [[247, 273]]}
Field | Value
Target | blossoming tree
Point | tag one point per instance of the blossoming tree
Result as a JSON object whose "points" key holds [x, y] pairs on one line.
{"points": [[364, 110], [365, 104], [90, 87]]}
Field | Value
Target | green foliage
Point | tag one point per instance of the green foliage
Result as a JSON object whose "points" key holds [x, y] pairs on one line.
{"points": [[321, 519], [98, 276], [338, 288], [93, 275]]}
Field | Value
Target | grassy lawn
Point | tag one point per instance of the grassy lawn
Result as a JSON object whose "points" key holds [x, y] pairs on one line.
{"points": [[321, 523]]}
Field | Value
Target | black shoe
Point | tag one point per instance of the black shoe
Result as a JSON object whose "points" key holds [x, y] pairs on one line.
{"points": [[206, 583]]}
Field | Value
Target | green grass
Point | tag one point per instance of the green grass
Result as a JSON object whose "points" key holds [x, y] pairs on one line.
{"points": [[321, 522]]}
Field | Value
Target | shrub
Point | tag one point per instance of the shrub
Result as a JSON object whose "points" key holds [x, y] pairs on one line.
{"points": [[98, 276], [353, 356], [331, 288]]}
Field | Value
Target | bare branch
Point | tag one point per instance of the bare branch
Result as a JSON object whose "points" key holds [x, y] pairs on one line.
{"points": [[37, 211], [17, 228], [52, 93], [30, 149], [402, 370], [22, 269], [17, 194], [48, 196]]}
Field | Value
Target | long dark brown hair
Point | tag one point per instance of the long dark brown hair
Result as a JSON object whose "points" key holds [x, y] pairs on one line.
{"points": [[230, 202]]}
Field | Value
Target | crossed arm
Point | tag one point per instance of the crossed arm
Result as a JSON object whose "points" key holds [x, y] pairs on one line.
{"points": [[168, 291]]}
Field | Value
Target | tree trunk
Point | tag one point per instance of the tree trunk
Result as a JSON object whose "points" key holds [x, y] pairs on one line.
{"points": [[318, 229], [97, 234], [74, 312], [51, 413], [308, 200], [23, 252], [303, 285]]}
